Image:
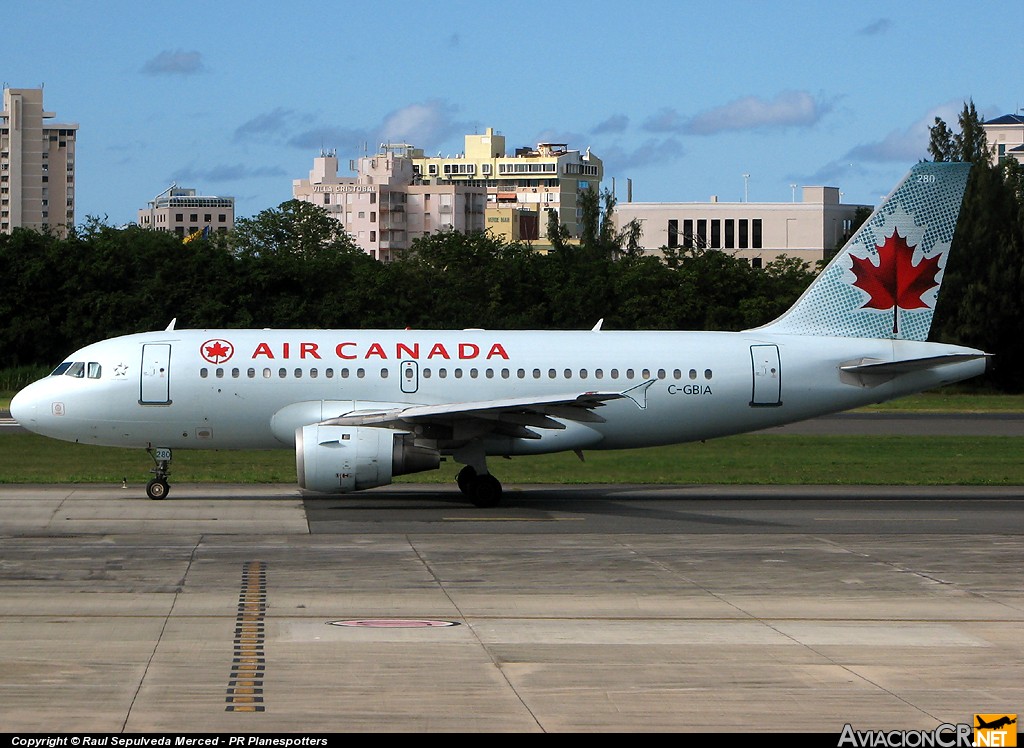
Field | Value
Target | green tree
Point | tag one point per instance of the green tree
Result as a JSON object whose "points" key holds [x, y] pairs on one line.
{"points": [[982, 296]]}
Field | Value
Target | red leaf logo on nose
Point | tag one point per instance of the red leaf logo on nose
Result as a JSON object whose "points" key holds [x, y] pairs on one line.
{"points": [[895, 281]]}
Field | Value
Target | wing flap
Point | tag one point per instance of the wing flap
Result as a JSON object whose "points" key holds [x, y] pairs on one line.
{"points": [[508, 416]]}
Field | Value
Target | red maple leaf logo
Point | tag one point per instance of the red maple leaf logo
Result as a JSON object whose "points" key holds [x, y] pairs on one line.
{"points": [[895, 281], [217, 351]]}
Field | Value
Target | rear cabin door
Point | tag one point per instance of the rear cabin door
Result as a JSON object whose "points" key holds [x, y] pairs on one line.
{"points": [[156, 373], [767, 371]]}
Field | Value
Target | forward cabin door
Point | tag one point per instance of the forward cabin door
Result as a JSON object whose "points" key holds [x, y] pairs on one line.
{"points": [[767, 371], [156, 374]]}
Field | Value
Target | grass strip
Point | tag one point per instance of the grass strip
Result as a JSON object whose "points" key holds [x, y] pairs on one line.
{"points": [[747, 459]]}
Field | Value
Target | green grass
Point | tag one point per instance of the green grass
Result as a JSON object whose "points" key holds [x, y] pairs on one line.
{"points": [[951, 401], [755, 459]]}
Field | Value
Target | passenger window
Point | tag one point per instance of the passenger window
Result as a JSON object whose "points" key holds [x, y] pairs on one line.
{"points": [[204, 373], [473, 373], [266, 373], [426, 373], [251, 373], [458, 373], [235, 373], [661, 373], [360, 373], [552, 373], [707, 373], [567, 373], [489, 373], [676, 374], [94, 370], [442, 372], [329, 373], [583, 373], [615, 373], [536, 373], [313, 373], [344, 373], [693, 373], [298, 373], [383, 373], [220, 373], [629, 373], [282, 373], [647, 374], [599, 373]]}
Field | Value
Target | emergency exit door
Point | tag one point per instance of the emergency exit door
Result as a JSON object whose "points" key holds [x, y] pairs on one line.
{"points": [[410, 373]]}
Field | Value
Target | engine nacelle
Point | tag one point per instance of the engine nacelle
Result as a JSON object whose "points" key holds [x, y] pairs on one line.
{"points": [[339, 459]]}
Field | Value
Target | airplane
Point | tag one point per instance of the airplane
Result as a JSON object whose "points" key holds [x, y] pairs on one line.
{"points": [[360, 407], [994, 724]]}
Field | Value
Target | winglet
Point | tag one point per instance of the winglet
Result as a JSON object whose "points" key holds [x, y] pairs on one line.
{"points": [[597, 327], [171, 326]]}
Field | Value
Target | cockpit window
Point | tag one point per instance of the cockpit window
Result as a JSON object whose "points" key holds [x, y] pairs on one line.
{"points": [[76, 369], [60, 369], [95, 370]]}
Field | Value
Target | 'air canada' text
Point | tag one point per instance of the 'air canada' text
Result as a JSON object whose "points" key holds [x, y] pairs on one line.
{"points": [[399, 351]]}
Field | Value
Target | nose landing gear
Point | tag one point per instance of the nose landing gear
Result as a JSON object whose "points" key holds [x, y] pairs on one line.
{"points": [[158, 486]]}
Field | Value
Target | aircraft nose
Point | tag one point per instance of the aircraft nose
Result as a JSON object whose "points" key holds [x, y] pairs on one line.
{"points": [[23, 407]]}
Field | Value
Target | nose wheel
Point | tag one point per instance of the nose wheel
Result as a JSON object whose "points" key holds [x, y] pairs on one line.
{"points": [[158, 486]]}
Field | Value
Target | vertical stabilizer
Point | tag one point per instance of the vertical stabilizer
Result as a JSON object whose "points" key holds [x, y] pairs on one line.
{"points": [[884, 283]]}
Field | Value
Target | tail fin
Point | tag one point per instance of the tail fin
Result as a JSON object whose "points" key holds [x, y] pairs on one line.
{"points": [[885, 281]]}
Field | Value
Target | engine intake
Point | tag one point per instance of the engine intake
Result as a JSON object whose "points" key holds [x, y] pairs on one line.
{"points": [[339, 459]]}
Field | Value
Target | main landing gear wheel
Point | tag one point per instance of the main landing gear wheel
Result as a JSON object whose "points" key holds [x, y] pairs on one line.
{"points": [[482, 490], [157, 489]]}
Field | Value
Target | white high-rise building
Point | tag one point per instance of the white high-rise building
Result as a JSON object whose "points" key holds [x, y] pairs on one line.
{"points": [[37, 165]]}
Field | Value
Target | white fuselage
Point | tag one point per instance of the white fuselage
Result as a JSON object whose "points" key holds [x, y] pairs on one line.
{"points": [[245, 389]]}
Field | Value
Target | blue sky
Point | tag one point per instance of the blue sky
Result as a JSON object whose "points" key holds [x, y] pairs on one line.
{"points": [[683, 98]]}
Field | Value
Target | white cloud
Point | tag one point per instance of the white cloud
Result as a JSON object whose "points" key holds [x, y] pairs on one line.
{"points": [[174, 62], [909, 144], [425, 124], [788, 109]]}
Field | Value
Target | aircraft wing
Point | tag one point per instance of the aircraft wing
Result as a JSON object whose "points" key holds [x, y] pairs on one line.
{"points": [[514, 417]]}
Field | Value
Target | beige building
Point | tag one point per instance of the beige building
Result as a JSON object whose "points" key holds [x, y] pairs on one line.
{"points": [[521, 187], [1005, 137], [179, 210], [37, 165], [758, 232], [385, 206], [399, 194]]}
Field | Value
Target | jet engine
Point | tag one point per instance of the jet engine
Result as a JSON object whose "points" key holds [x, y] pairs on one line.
{"points": [[339, 459]]}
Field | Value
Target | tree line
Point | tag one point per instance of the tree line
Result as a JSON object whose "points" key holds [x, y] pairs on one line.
{"points": [[293, 266]]}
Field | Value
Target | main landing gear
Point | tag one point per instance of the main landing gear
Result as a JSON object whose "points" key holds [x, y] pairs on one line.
{"points": [[158, 486], [482, 489]]}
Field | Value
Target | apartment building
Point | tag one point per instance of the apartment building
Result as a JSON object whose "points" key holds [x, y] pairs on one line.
{"points": [[399, 194], [758, 232], [385, 207], [1005, 137], [37, 165], [179, 210]]}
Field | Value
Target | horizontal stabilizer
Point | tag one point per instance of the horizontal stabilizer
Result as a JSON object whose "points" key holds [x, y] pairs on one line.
{"points": [[908, 365], [871, 372]]}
